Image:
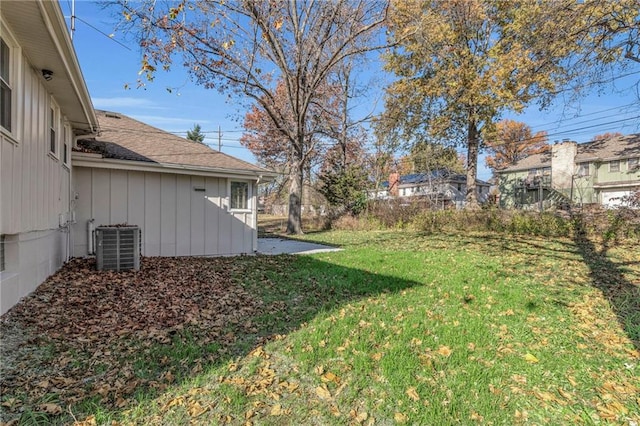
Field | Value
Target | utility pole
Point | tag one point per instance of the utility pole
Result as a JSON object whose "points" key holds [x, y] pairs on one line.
{"points": [[73, 18], [219, 139]]}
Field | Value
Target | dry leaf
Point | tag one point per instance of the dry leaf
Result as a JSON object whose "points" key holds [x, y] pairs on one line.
{"points": [[358, 416], [52, 409], [330, 377], [276, 410], [476, 417], [195, 409], [444, 351], [335, 410], [413, 394], [89, 421], [323, 392], [400, 417]]}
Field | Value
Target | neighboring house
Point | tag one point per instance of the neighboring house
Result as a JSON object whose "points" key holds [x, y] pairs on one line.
{"points": [[598, 172], [188, 199], [44, 107], [439, 186]]}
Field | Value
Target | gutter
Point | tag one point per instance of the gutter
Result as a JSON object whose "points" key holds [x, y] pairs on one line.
{"points": [[96, 161]]}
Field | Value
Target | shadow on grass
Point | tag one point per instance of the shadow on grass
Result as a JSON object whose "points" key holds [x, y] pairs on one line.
{"points": [[608, 277], [604, 274], [120, 342]]}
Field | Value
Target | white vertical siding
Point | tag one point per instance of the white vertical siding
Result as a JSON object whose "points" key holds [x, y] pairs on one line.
{"points": [[151, 229], [34, 193], [183, 215], [197, 215], [175, 219], [168, 218]]}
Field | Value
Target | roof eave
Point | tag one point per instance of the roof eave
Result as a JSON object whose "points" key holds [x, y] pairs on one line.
{"points": [[96, 161]]}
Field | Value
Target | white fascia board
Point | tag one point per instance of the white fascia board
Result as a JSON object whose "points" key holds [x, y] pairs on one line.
{"points": [[96, 161], [57, 27]]}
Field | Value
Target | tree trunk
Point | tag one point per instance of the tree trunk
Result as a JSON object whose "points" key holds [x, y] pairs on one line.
{"points": [[294, 221], [473, 143]]}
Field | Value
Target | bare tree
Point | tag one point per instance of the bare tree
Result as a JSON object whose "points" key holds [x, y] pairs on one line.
{"points": [[243, 47]]}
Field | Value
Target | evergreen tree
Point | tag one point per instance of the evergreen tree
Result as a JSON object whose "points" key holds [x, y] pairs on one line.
{"points": [[195, 134]]}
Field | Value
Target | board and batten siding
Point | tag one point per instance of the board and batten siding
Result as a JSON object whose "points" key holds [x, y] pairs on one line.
{"points": [[179, 215], [34, 190]]}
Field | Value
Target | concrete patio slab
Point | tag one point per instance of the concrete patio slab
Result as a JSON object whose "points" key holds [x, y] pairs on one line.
{"points": [[271, 246]]}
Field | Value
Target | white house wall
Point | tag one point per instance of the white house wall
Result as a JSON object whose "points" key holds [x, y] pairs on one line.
{"points": [[175, 218], [34, 191]]}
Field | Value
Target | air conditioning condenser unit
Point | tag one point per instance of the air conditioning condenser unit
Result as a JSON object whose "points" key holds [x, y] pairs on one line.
{"points": [[118, 247]]}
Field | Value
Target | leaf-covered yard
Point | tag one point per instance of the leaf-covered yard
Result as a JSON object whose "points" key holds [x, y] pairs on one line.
{"points": [[397, 328]]}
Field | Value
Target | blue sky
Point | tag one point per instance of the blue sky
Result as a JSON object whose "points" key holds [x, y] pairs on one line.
{"points": [[108, 67]]}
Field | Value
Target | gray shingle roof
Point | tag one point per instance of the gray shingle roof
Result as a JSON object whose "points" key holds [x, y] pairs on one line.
{"points": [[620, 147], [124, 138]]}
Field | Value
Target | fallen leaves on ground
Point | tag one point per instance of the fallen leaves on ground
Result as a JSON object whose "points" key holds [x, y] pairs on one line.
{"points": [[89, 328]]}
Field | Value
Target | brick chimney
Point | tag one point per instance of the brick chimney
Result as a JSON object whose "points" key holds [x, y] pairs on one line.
{"points": [[563, 163], [394, 182]]}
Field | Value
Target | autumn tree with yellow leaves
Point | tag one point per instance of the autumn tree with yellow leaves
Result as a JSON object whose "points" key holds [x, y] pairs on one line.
{"points": [[462, 63]]}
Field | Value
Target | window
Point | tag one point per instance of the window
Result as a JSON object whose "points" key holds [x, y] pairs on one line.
{"points": [[65, 145], [2, 266], [66, 142], [614, 166], [583, 169], [52, 131], [632, 164], [239, 196], [5, 86]]}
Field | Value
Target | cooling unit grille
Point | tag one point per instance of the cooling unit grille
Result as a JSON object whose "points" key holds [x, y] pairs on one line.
{"points": [[118, 248]]}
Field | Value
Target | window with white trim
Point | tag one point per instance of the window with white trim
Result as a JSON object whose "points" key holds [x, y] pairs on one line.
{"points": [[632, 164], [53, 142], [2, 264], [6, 96], [614, 166], [239, 196], [65, 144]]}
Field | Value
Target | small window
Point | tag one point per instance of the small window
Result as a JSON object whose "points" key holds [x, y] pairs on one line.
{"points": [[65, 144], [5, 86], [52, 130], [632, 164], [583, 169], [614, 166], [2, 265], [239, 196]]}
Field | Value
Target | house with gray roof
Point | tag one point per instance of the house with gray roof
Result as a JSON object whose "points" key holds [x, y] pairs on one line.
{"points": [[440, 187], [597, 172], [187, 199]]}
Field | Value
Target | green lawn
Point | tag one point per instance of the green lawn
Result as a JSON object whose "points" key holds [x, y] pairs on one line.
{"points": [[400, 328]]}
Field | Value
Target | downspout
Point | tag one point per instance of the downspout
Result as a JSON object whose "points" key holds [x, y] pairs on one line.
{"points": [[90, 230], [255, 216]]}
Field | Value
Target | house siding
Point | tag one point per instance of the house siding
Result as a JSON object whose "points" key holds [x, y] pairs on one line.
{"points": [[175, 219], [34, 189], [568, 180]]}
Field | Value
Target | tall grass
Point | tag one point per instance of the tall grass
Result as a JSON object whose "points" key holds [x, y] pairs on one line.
{"points": [[621, 224]]}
